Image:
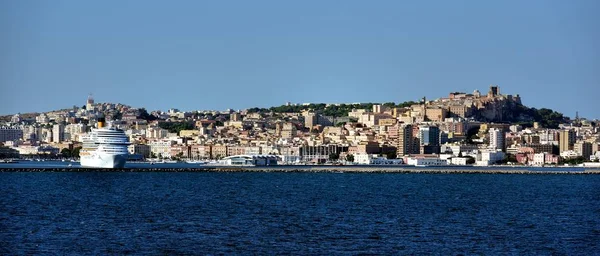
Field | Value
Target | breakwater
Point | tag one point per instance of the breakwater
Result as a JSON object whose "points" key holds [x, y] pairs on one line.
{"points": [[316, 169]]}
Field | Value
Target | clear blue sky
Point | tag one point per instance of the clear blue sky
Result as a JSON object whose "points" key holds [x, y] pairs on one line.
{"points": [[239, 54]]}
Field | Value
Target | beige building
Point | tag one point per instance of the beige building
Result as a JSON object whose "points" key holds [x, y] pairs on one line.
{"points": [[387, 121], [288, 131], [566, 140], [404, 140], [189, 133], [139, 149], [436, 114], [584, 149], [218, 151]]}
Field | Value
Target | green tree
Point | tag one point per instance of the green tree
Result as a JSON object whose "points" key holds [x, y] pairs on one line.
{"points": [[575, 161], [65, 152], [350, 158], [390, 155], [334, 156], [470, 160], [144, 115], [75, 152]]}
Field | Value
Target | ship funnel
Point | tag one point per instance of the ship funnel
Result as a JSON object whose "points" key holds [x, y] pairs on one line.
{"points": [[101, 122]]}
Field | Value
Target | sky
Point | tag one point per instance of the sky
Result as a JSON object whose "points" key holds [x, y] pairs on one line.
{"points": [[215, 55]]}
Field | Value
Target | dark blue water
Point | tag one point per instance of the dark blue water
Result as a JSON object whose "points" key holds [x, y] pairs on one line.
{"points": [[300, 213]]}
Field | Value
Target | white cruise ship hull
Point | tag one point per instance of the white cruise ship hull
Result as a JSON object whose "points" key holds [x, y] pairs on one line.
{"points": [[103, 161]]}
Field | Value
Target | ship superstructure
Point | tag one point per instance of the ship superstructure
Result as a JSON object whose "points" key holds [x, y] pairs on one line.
{"points": [[104, 147]]}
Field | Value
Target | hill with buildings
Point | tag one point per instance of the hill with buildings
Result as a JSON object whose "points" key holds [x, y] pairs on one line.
{"points": [[461, 128]]}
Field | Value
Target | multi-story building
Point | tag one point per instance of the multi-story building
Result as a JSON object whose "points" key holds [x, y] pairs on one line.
{"points": [[310, 120], [73, 131], [10, 134], [321, 153], [42, 119], [404, 140], [288, 131], [218, 151], [583, 148], [58, 133], [156, 133], [435, 114], [235, 117], [139, 149], [496, 139], [161, 148], [566, 140]]}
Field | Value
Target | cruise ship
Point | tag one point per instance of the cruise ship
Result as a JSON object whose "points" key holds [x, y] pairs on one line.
{"points": [[104, 147]]}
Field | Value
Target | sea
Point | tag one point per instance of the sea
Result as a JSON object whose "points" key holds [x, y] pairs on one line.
{"points": [[250, 213]]}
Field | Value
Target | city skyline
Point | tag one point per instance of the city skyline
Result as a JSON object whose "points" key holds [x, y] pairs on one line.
{"points": [[193, 56]]}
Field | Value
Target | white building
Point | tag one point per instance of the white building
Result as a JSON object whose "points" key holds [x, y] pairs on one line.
{"points": [[426, 161], [363, 158], [74, 131], [262, 160], [488, 157], [539, 159], [459, 160], [568, 154], [42, 119], [156, 133], [374, 159], [16, 119], [161, 148], [456, 149], [496, 139], [58, 133], [34, 150]]}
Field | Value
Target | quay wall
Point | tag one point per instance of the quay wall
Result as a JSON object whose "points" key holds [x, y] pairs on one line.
{"points": [[314, 169]]}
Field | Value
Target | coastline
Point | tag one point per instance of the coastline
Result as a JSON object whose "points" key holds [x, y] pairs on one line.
{"points": [[318, 169]]}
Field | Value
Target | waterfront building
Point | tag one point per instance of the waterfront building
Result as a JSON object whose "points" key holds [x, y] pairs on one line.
{"points": [[245, 160], [488, 157], [161, 148], [374, 159], [426, 161], [459, 160], [320, 153], [218, 151], [139, 149]]}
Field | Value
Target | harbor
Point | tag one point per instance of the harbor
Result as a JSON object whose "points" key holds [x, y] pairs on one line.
{"points": [[187, 167]]}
